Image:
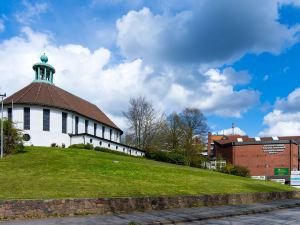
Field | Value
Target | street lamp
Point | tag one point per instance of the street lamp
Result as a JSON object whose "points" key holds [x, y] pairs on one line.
{"points": [[2, 144]]}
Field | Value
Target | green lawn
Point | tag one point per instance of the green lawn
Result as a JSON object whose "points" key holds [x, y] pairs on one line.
{"points": [[43, 173]]}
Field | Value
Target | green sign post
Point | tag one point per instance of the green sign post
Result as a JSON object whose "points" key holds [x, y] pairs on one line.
{"points": [[281, 171]]}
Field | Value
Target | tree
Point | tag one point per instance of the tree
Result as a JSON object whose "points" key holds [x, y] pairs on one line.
{"points": [[174, 132], [12, 138], [195, 128], [143, 122]]}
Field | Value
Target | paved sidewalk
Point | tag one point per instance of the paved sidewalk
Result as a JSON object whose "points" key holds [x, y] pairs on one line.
{"points": [[174, 216]]}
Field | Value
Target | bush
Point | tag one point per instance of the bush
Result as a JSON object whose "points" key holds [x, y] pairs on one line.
{"points": [[177, 158], [53, 145], [13, 141], [82, 146], [170, 157], [236, 170], [197, 161], [101, 149]]}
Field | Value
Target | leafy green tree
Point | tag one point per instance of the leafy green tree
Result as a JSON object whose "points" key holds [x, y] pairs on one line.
{"points": [[13, 141]]}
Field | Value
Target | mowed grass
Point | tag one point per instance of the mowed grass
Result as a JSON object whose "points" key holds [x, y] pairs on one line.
{"points": [[44, 173]]}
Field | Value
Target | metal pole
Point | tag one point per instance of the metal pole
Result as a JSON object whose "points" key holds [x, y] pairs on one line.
{"points": [[2, 144]]}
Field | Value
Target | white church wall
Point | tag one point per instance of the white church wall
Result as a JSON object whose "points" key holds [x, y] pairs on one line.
{"points": [[38, 136], [55, 135], [97, 142]]}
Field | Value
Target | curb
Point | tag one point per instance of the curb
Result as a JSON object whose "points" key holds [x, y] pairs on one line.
{"points": [[218, 215]]}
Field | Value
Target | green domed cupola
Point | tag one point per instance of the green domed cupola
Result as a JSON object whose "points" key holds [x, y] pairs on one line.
{"points": [[43, 71]]}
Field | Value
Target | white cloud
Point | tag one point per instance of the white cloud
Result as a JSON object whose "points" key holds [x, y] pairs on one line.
{"points": [[285, 118], [218, 95], [228, 131], [30, 12], [207, 33], [90, 75]]}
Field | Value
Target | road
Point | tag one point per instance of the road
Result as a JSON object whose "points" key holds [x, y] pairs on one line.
{"points": [[284, 216]]}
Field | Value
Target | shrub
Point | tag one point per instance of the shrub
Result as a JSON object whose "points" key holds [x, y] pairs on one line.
{"points": [[101, 149], [177, 158], [236, 170], [170, 157], [197, 161], [82, 146], [53, 145], [13, 141]]}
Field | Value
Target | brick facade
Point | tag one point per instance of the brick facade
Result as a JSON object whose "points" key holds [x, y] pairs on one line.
{"points": [[256, 159]]}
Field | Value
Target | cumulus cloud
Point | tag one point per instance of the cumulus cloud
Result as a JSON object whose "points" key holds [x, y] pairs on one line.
{"points": [[90, 75], [228, 131], [208, 33], [31, 11], [285, 118]]}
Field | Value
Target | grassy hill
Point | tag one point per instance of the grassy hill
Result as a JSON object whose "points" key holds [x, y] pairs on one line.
{"points": [[72, 173]]}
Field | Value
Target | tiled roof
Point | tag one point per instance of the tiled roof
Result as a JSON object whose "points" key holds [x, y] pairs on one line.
{"points": [[38, 93]]}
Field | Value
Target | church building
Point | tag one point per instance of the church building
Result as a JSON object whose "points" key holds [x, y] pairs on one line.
{"points": [[50, 115]]}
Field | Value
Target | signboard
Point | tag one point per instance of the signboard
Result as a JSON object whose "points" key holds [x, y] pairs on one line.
{"points": [[282, 181], [281, 171], [273, 148], [295, 178], [259, 177]]}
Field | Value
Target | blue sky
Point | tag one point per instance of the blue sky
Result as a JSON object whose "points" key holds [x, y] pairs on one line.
{"points": [[238, 61]]}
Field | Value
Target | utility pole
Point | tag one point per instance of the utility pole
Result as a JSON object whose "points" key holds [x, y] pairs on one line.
{"points": [[232, 127], [2, 143]]}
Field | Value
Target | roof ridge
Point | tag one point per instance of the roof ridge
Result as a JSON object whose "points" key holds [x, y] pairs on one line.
{"points": [[51, 96], [38, 92]]}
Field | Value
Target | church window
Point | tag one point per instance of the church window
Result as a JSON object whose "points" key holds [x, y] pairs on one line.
{"points": [[103, 131], [26, 118], [76, 124], [95, 129], [46, 119], [64, 122], [9, 114], [110, 134], [86, 126]]}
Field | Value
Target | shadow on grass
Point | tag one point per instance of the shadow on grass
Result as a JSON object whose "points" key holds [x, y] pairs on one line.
{"points": [[20, 152]]}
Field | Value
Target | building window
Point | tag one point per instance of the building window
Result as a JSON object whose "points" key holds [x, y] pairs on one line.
{"points": [[110, 134], [46, 119], [76, 124], [9, 114], [109, 145], [86, 126], [123, 149], [91, 140], [103, 131], [26, 118], [64, 122], [117, 147], [100, 143], [95, 129]]}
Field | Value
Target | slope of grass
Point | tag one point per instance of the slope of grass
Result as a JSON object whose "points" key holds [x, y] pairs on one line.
{"points": [[43, 173]]}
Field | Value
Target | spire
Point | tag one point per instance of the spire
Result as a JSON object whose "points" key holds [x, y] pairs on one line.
{"points": [[43, 71]]}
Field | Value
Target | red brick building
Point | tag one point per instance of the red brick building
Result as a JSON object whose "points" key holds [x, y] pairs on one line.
{"points": [[265, 156]]}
